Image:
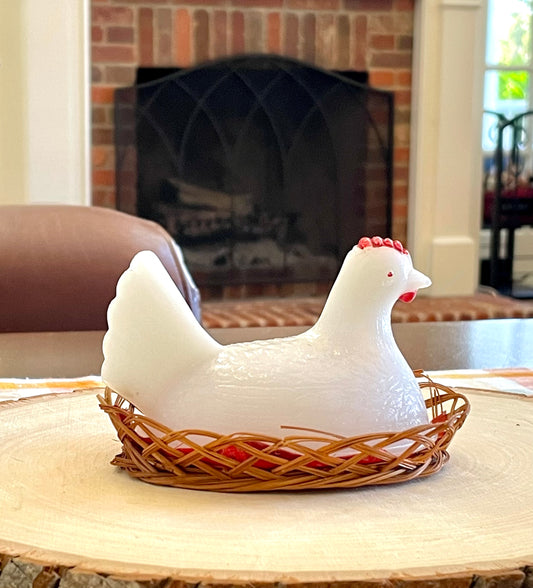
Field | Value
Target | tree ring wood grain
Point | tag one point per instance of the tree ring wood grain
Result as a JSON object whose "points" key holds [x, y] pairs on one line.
{"points": [[65, 512]]}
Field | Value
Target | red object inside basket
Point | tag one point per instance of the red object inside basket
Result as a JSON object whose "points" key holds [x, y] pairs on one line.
{"points": [[240, 455]]}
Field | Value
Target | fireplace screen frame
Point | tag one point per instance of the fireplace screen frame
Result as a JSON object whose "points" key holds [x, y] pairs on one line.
{"points": [[263, 168]]}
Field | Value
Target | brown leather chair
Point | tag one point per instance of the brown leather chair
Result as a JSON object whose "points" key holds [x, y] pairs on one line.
{"points": [[59, 264]]}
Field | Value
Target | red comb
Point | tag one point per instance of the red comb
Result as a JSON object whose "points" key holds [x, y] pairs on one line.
{"points": [[379, 242]]}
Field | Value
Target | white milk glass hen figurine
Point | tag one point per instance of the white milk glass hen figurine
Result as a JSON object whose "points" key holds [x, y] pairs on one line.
{"points": [[345, 375]]}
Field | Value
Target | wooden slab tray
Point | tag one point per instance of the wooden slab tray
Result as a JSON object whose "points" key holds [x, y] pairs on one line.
{"points": [[69, 518]]}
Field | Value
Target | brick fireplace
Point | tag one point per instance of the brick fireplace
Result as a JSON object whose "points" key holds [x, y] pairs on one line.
{"points": [[438, 157], [361, 35]]}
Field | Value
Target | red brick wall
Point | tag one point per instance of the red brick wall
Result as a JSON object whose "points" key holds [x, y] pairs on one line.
{"points": [[371, 35]]}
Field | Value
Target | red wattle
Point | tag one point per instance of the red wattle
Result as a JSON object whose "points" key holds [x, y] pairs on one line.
{"points": [[408, 296]]}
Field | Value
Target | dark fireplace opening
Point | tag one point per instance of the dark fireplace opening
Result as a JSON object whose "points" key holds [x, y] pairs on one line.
{"points": [[263, 168]]}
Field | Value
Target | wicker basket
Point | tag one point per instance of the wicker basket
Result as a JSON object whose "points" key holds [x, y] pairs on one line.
{"points": [[247, 462]]}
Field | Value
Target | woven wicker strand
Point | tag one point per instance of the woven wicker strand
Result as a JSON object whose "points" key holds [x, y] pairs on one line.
{"points": [[248, 462]]}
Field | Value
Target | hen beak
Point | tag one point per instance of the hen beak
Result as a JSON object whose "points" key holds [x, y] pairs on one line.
{"points": [[415, 280]]}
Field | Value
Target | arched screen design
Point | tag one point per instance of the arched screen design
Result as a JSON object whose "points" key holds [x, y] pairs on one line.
{"points": [[263, 168]]}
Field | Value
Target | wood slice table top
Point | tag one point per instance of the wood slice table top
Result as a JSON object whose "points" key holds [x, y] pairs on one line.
{"points": [[67, 515]]}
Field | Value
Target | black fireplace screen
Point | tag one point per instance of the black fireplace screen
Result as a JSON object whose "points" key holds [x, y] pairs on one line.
{"points": [[261, 167]]}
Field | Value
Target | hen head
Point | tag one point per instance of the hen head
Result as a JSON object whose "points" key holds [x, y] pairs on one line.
{"points": [[388, 263]]}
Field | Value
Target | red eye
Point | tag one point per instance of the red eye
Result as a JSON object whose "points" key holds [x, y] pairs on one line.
{"points": [[390, 274]]}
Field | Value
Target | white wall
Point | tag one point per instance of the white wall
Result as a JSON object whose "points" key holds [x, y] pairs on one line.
{"points": [[445, 168], [12, 106], [44, 101]]}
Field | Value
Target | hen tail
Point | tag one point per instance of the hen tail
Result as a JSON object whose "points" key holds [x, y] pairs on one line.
{"points": [[152, 336]]}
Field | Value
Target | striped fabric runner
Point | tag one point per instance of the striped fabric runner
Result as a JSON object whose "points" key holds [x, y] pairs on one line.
{"points": [[510, 380], [16, 388]]}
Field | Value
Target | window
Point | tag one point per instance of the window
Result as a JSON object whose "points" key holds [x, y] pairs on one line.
{"points": [[508, 64]]}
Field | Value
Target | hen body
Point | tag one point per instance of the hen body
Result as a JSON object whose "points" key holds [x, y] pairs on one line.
{"points": [[345, 375]]}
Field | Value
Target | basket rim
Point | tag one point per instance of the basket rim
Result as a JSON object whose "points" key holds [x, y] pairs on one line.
{"points": [[244, 461]]}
